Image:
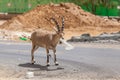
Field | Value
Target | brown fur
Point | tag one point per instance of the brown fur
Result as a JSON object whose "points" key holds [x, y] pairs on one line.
{"points": [[45, 39]]}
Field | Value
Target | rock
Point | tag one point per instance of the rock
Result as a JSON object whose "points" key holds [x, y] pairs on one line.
{"points": [[74, 39], [86, 35], [118, 32], [82, 38], [102, 38]]}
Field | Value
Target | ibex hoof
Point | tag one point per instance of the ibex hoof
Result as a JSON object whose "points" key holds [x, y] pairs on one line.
{"points": [[49, 55], [48, 64], [33, 62], [56, 63]]}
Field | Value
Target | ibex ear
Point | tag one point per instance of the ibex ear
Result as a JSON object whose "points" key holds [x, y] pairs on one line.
{"points": [[57, 25], [62, 28]]}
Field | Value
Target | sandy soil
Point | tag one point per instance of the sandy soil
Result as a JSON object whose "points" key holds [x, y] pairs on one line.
{"points": [[77, 21]]}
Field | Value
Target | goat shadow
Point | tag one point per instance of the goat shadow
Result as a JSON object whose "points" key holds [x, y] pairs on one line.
{"points": [[40, 67]]}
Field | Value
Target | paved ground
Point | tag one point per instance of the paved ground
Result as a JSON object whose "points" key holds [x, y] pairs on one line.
{"points": [[86, 61]]}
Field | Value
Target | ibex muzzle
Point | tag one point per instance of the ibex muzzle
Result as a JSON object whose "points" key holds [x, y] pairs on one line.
{"points": [[47, 40]]}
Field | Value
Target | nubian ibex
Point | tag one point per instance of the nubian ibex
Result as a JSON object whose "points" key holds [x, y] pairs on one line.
{"points": [[47, 40]]}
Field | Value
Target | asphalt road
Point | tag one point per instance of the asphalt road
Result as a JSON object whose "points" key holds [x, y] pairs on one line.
{"points": [[79, 63]]}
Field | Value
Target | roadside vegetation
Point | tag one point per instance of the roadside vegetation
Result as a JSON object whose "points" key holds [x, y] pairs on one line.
{"points": [[97, 7]]}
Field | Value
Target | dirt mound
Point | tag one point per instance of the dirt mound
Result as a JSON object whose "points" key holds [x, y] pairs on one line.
{"points": [[77, 21]]}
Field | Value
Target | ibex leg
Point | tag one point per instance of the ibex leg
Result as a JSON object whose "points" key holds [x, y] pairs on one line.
{"points": [[55, 59], [34, 48], [48, 64]]}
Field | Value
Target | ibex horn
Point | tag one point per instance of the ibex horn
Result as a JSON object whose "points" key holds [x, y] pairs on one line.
{"points": [[62, 28], [57, 25]]}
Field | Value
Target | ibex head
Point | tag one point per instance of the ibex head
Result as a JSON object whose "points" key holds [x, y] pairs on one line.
{"points": [[59, 30]]}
